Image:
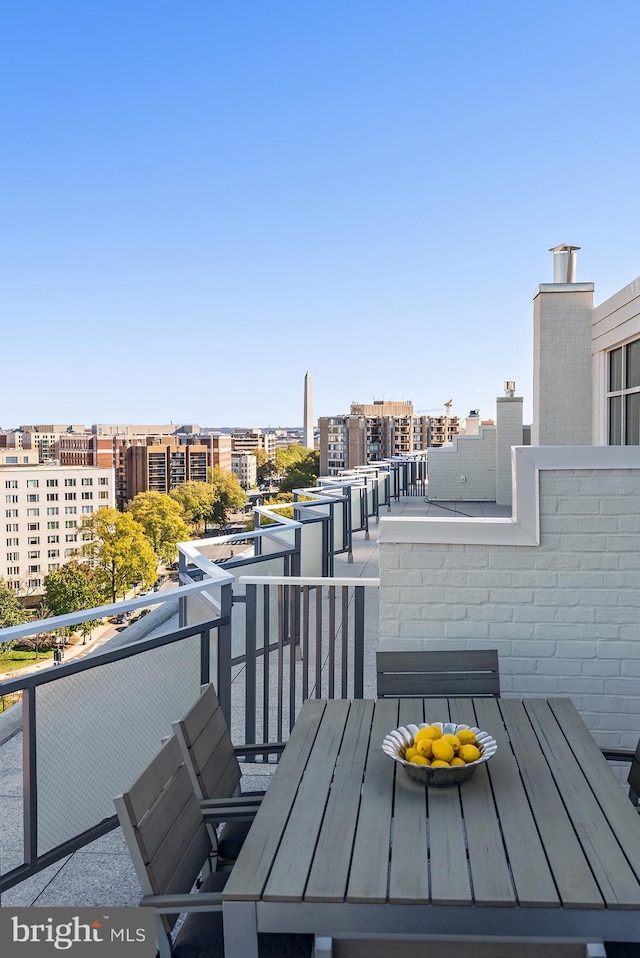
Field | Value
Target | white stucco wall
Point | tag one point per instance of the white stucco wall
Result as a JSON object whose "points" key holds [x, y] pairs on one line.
{"points": [[473, 457], [555, 589]]}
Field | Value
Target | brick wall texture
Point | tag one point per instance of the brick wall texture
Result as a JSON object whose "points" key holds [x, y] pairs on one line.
{"points": [[564, 616]]}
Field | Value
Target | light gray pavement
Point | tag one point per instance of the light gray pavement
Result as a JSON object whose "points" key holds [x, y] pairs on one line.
{"points": [[101, 873]]}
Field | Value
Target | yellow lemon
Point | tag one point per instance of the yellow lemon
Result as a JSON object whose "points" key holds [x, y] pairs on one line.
{"points": [[469, 753], [409, 753], [424, 747], [466, 737], [453, 740], [439, 763], [443, 750], [456, 761], [419, 760], [430, 731], [421, 733]]}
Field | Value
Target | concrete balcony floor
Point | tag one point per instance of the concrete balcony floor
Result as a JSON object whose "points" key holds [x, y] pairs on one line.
{"points": [[101, 873]]}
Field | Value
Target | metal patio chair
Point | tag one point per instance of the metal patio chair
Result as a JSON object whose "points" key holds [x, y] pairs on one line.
{"points": [[212, 762], [170, 847]]}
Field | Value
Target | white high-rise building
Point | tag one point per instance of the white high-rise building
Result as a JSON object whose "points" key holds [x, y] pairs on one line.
{"points": [[41, 507]]}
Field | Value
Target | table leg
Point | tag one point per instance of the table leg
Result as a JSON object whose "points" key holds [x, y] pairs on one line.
{"points": [[240, 929]]}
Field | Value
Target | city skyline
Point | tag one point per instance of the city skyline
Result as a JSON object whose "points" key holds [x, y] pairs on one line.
{"points": [[200, 204]]}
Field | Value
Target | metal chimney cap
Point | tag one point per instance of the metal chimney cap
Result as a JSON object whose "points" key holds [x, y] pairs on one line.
{"points": [[563, 248]]}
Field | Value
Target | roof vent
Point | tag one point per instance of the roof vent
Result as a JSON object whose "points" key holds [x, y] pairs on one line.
{"points": [[510, 388], [564, 263]]}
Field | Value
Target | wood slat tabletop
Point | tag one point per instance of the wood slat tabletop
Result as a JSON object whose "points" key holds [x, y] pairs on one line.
{"points": [[542, 825]]}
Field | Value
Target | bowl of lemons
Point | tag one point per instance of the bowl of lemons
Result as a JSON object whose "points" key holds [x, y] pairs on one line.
{"points": [[439, 753]]}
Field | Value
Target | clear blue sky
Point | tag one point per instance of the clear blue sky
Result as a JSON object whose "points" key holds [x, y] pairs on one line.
{"points": [[202, 200]]}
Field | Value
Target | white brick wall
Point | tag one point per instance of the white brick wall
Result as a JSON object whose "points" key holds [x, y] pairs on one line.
{"points": [[564, 615], [508, 434]]}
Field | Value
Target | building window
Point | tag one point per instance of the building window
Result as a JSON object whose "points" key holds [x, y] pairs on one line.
{"points": [[12, 542], [70, 510], [103, 495], [52, 483], [623, 395], [70, 482], [13, 556], [32, 483], [33, 568], [10, 498], [102, 481], [33, 512], [12, 460], [11, 484], [53, 553], [33, 540], [33, 497], [52, 497], [13, 570], [11, 513], [87, 495], [54, 538], [70, 495], [52, 511], [33, 526], [33, 554], [70, 524], [87, 482], [54, 566], [71, 537], [12, 527], [86, 509]]}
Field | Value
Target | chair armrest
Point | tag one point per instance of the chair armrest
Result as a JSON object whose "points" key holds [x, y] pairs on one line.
{"points": [[224, 809], [167, 904], [618, 754], [264, 748]]}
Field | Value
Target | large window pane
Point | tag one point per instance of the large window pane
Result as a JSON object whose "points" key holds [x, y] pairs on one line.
{"points": [[615, 421], [633, 365], [615, 369], [632, 419]]}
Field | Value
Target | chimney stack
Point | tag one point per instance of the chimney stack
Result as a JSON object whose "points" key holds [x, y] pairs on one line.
{"points": [[510, 389], [564, 263]]}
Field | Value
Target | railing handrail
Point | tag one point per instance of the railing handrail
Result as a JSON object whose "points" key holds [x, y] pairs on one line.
{"points": [[307, 580], [35, 626]]}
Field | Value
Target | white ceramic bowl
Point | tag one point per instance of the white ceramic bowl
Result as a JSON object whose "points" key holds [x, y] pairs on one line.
{"points": [[395, 742]]}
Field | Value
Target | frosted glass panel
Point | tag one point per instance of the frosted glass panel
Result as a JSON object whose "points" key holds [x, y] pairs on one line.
{"points": [[356, 511], [97, 730], [311, 550]]}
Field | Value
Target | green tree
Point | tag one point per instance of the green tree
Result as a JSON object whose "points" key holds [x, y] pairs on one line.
{"points": [[197, 500], [161, 517], [71, 588], [286, 456], [11, 613], [302, 473], [265, 467], [229, 494], [119, 551]]}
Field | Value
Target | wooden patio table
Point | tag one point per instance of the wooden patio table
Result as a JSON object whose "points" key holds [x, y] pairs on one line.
{"points": [[541, 841]]}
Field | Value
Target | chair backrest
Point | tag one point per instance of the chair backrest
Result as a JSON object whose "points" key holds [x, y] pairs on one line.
{"points": [[163, 826], [424, 674], [204, 738]]}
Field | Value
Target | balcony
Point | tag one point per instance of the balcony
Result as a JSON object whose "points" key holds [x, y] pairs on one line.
{"points": [[282, 620]]}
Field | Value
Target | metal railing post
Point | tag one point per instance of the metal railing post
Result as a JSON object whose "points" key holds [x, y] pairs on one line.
{"points": [[223, 685]]}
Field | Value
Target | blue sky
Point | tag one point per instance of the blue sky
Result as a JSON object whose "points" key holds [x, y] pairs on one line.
{"points": [[201, 201]]}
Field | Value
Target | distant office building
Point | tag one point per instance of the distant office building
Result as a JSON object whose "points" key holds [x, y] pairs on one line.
{"points": [[245, 469], [42, 438], [252, 440], [376, 431], [42, 507], [218, 446], [161, 466]]}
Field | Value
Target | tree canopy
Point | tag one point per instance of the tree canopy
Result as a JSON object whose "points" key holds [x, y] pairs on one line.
{"points": [[11, 611], [229, 494], [161, 517], [209, 502], [119, 551], [303, 472], [71, 588]]}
